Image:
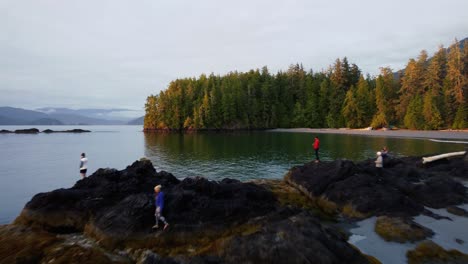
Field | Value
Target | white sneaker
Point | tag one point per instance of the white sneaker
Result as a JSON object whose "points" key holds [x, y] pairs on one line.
{"points": [[155, 226]]}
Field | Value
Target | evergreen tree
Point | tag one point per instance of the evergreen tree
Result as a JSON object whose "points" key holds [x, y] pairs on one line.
{"points": [[412, 83], [432, 95], [351, 111], [414, 118], [364, 103], [455, 73], [432, 116], [383, 99]]}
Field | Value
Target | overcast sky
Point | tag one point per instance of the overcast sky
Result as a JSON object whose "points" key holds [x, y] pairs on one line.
{"points": [[108, 54]]}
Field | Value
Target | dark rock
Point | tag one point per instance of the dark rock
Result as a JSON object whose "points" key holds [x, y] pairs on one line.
{"points": [[404, 189], [298, 238], [210, 222], [459, 241], [429, 213], [4, 131], [27, 131], [70, 210], [48, 131]]}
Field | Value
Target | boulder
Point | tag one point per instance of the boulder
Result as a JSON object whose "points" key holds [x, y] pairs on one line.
{"points": [[404, 189], [299, 238]]}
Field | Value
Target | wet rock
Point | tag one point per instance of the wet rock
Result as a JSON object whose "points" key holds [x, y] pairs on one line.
{"points": [[27, 131], [49, 131], [428, 252], [4, 131], [299, 238], [459, 241], [401, 229], [404, 189], [457, 211]]}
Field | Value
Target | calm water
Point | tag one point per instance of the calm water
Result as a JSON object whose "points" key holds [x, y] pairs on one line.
{"points": [[30, 164]]}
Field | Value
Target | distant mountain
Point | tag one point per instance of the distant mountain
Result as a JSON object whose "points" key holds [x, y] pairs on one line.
{"points": [[137, 121], [115, 115], [10, 121], [46, 122], [72, 119], [19, 116]]}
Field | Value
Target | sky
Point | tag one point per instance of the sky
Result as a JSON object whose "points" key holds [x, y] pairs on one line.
{"points": [[113, 54]]}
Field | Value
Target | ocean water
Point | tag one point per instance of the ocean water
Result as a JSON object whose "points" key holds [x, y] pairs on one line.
{"points": [[30, 164]]}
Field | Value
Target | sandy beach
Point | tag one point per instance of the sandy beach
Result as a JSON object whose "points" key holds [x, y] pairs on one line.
{"points": [[430, 134]]}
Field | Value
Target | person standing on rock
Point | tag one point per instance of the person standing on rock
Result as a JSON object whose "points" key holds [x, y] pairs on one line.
{"points": [[83, 165], [316, 148], [379, 165], [159, 203], [384, 152]]}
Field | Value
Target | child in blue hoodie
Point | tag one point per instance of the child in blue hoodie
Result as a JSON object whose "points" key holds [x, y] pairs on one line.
{"points": [[159, 203]]}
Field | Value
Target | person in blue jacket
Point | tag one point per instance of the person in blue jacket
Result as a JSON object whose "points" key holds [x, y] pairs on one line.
{"points": [[159, 203]]}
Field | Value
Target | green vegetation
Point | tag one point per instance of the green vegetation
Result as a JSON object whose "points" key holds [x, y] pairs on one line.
{"points": [[350, 211], [430, 252], [427, 94], [400, 230], [288, 195]]}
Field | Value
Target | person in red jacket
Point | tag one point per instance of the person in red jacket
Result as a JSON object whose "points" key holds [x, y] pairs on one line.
{"points": [[316, 148]]}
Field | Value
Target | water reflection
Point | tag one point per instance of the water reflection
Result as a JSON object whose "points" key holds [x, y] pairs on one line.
{"points": [[250, 155]]}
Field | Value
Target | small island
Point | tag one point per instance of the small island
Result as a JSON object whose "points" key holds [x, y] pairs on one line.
{"points": [[107, 217], [47, 131]]}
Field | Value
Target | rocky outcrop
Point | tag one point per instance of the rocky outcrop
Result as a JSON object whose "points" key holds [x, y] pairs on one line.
{"points": [[27, 131], [47, 131], [405, 188], [210, 222], [76, 130], [107, 217]]}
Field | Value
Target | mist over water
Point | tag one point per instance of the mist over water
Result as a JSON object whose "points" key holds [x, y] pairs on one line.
{"points": [[30, 164]]}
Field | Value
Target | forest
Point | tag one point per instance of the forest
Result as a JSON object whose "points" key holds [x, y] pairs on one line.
{"points": [[429, 93]]}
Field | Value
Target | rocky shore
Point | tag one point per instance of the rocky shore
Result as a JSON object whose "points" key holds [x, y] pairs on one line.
{"points": [[107, 217]]}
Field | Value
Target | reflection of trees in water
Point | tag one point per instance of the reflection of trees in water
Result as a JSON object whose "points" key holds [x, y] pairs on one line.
{"points": [[278, 148], [226, 145]]}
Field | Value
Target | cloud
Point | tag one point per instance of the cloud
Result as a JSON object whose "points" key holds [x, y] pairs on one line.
{"points": [[116, 53]]}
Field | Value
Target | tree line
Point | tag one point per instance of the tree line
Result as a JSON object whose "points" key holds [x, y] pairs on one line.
{"points": [[430, 93]]}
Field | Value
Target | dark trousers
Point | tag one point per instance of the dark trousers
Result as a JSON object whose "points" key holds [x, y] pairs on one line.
{"points": [[316, 154], [379, 172]]}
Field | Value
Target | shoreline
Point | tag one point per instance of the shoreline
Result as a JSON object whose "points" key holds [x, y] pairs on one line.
{"points": [[423, 134]]}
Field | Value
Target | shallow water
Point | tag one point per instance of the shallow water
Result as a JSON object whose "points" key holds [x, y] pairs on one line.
{"points": [[445, 233], [30, 164]]}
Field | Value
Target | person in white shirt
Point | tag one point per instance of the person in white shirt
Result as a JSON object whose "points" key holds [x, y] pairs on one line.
{"points": [[379, 165], [83, 165]]}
